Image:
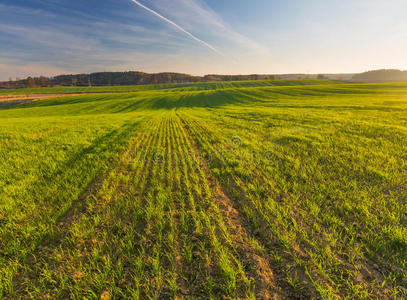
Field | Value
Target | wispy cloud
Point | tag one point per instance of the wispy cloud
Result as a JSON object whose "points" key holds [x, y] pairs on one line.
{"points": [[196, 15], [176, 26], [14, 68], [51, 37]]}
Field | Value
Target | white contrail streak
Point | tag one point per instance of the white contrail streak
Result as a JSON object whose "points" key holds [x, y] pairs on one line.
{"points": [[177, 26]]}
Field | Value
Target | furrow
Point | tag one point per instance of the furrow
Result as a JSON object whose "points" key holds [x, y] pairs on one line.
{"points": [[258, 265]]}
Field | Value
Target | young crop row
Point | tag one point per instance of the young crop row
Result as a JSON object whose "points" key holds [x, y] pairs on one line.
{"points": [[157, 225], [287, 192], [46, 166], [350, 244]]}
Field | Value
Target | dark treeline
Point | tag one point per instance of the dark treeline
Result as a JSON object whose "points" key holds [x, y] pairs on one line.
{"points": [[123, 78], [137, 78]]}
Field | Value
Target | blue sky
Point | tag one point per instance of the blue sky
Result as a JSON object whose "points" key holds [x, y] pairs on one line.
{"points": [[50, 37]]}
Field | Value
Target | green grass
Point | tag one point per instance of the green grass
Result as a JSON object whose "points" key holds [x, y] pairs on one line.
{"points": [[233, 190], [180, 87]]}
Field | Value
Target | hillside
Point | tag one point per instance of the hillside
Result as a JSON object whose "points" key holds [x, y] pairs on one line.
{"points": [[381, 76], [221, 190], [162, 87]]}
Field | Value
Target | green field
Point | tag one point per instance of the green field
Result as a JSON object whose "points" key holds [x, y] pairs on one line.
{"points": [[268, 190], [172, 87]]}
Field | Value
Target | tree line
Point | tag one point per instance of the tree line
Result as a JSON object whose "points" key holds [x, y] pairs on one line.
{"points": [[123, 78]]}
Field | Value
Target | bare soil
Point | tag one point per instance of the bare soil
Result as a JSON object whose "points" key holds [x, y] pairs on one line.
{"points": [[7, 101]]}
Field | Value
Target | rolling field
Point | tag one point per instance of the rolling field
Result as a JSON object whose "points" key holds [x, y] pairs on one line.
{"points": [[168, 87], [267, 190]]}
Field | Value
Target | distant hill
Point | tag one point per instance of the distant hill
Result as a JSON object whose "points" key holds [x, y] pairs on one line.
{"points": [[138, 78], [381, 76]]}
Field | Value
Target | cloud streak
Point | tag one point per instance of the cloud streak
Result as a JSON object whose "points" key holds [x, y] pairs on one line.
{"points": [[177, 26], [197, 15]]}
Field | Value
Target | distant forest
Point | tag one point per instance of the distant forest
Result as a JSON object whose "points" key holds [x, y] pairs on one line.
{"points": [[137, 78], [123, 78]]}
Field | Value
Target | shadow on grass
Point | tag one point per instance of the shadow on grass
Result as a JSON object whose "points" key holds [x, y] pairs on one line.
{"points": [[68, 181]]}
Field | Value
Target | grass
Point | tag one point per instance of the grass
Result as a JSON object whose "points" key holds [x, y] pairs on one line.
{"points": [[180, 87], [234, 190]]}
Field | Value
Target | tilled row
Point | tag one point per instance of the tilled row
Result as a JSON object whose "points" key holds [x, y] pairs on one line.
{"points": [[307, 264], [176, 218], [157, 225]]}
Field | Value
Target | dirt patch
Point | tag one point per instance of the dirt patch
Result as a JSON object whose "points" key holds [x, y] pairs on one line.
{"points": [[7, 101], [259, 266]]}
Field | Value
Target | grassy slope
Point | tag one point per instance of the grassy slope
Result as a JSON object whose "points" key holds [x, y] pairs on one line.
{"points": [[306, 184], [173, 87]]}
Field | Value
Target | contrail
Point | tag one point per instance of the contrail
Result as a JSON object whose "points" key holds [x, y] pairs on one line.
{"points": [[178, 27]]}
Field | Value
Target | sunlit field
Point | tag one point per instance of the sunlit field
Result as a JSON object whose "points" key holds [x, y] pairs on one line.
{"points": [[262, 189]]}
